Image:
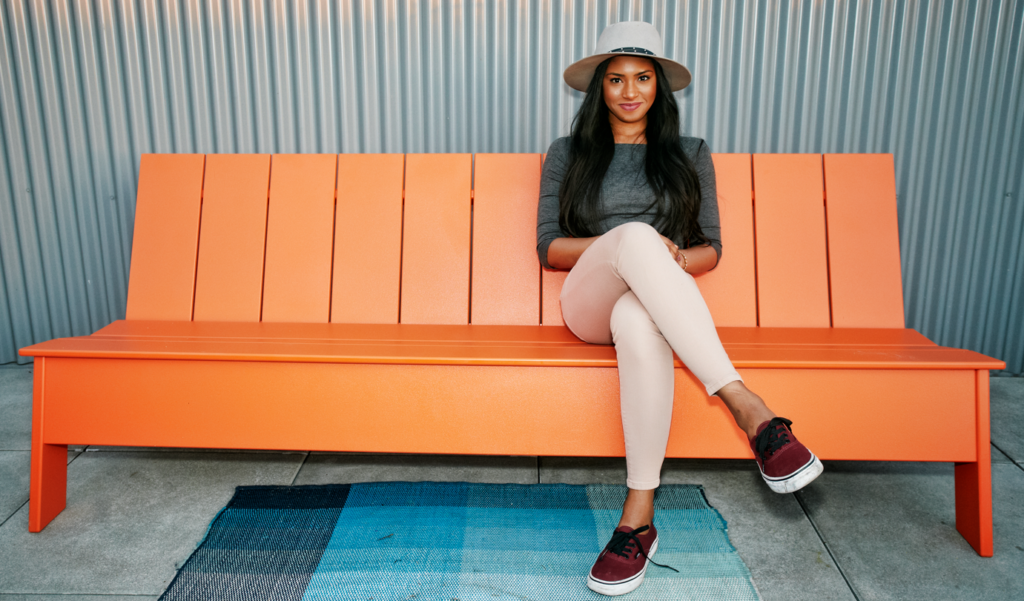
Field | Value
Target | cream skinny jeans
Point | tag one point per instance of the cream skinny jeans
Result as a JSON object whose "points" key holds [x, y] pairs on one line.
{"points": [[627, 290]]}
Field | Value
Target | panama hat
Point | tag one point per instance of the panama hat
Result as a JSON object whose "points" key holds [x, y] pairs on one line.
{"points": [[630, 38]]}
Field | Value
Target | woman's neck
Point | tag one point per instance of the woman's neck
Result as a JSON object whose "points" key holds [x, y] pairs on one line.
{"points": [[628, 133]]}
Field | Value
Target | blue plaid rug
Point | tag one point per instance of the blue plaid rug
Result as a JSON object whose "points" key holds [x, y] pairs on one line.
{"points": [[450, 542]]}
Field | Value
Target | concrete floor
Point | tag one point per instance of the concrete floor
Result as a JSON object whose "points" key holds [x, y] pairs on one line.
{"points": [[862, 531]]}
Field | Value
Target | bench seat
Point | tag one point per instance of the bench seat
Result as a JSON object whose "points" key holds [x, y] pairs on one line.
{"points": [[421, 344]]}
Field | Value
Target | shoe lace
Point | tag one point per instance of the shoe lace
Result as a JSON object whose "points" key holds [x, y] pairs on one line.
{"points": [[622, 544], [773, 438]]}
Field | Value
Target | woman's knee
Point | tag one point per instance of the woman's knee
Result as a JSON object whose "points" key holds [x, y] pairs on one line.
{"points": [[637, 232], [637, 237]]}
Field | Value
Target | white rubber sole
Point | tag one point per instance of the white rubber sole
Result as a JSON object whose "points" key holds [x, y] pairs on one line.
{"points": [[798, 479], [613, 589]]}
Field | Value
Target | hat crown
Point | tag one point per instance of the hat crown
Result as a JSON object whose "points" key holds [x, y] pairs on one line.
{"points": [[630, 36]]}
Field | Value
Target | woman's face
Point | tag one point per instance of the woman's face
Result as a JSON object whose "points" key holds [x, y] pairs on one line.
{"points": [[629, 88]]}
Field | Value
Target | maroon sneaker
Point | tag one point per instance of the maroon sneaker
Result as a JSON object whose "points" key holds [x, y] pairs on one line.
{"points": [[621, 566], [786, 465]]}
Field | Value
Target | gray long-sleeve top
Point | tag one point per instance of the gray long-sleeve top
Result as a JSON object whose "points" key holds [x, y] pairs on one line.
{"points": [[625, 192]]}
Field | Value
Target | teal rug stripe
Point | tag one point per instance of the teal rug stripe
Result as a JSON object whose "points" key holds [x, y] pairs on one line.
{"points": [[491, 529], [519, 543]]}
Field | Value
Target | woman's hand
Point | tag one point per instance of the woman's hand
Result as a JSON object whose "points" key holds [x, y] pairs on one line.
{"points": [[693, 260], [673, 249]]}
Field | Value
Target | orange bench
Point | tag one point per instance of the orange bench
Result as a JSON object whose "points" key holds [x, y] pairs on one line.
{"points": [[324, 302]]}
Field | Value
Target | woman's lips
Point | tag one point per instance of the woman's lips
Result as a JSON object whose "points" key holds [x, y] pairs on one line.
{"points": [[632, 106]]}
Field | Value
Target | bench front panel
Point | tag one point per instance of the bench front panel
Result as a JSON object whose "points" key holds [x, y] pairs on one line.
{"points": [[550, 411]]}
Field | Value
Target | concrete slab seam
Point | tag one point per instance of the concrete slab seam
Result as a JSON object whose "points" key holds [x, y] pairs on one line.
{"points": [[299, 469], [6, 519], [821, 537], [1012, 460]]}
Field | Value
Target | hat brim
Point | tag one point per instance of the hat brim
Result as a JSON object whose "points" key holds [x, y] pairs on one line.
{"points": [[579, 74]]}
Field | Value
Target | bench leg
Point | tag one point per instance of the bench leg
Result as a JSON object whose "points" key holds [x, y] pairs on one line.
{"points": [[48, 482], [974, 482]]}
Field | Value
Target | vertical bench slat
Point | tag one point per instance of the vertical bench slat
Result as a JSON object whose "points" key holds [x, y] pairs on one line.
{"points": [[166, 237], [506, 273], [435, 246], [863, 241], [550, 288], [300, 228], [229, 277], [789, 220], [729, 288], [367, 239]]}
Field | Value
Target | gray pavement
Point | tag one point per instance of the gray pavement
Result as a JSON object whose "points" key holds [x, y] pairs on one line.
{"points": [[865, 530]]}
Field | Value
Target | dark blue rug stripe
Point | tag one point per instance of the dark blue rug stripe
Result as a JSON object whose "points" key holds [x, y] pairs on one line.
{"points": [[290, 497], [266, 544]]}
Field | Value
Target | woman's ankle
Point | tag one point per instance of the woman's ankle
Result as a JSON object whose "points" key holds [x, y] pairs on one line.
{"points": [[635, 524], [638, 509], [747, 408]]}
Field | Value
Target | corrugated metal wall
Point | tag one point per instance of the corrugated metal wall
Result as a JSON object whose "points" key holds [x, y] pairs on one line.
{"points": [[86, 86]]}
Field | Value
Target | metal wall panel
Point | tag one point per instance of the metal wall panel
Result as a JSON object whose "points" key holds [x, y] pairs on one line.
{"points": [[88, 85]]}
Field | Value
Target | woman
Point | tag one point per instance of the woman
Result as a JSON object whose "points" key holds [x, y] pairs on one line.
{"points": [[629, 207]]}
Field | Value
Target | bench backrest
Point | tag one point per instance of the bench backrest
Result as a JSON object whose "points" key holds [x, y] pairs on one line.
{"points": [[809, 240]]}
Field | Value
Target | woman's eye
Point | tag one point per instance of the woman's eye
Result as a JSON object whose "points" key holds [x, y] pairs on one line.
{"points": [[616, 80], [644, 77]]}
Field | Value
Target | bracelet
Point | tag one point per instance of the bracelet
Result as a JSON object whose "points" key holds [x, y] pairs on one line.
{"points": [[685, 261]]}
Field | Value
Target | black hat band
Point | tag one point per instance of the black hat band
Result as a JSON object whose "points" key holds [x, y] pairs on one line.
{"points": [[634, 50]]}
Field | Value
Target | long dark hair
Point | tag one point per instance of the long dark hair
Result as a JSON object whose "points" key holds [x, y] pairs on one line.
{"points": [[670, 173]]}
